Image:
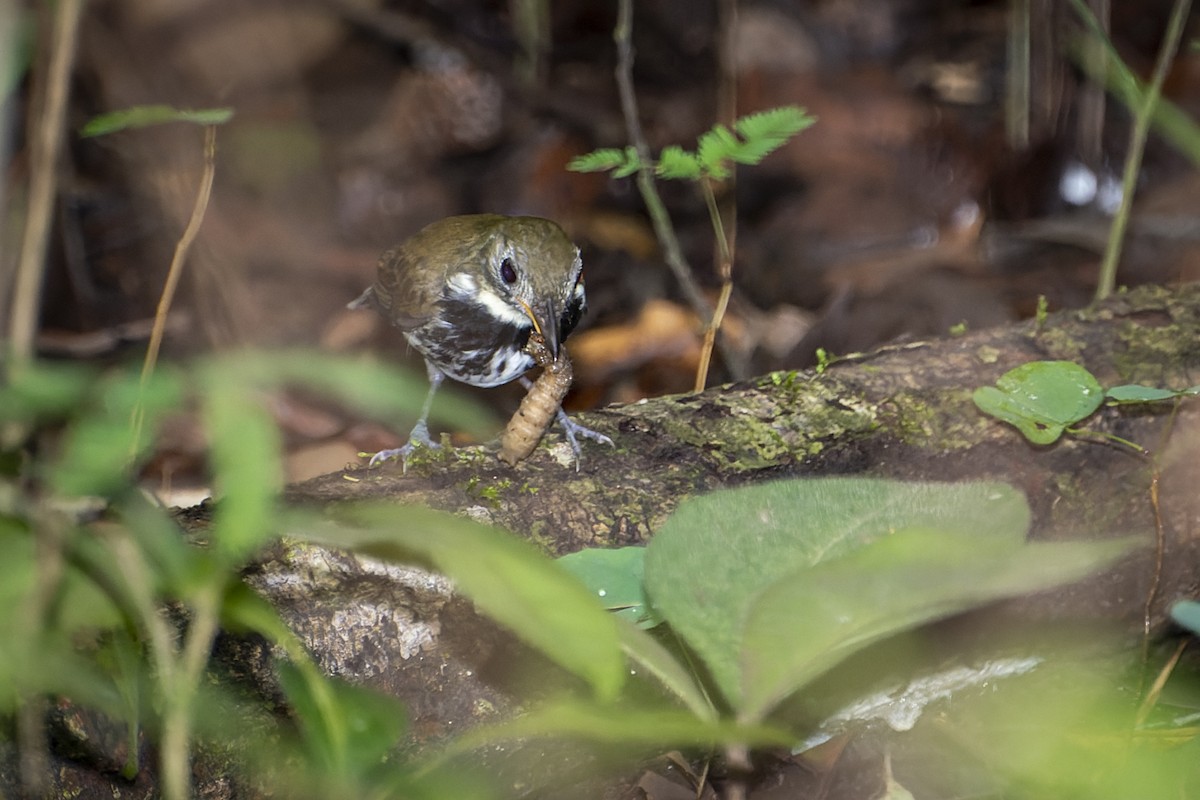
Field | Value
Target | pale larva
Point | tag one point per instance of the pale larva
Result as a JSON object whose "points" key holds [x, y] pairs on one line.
{"points": [[539, 406]]}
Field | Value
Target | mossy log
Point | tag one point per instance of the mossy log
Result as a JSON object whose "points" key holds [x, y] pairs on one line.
{"points": [[903, 412]]}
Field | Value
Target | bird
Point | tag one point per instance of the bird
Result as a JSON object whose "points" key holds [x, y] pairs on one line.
{"points": [[467, 292]]}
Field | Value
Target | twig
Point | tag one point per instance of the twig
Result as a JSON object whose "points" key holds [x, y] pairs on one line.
{"points": [[724, 224], [173, 274], [663, 229], [45, 136], [1142, 117]]}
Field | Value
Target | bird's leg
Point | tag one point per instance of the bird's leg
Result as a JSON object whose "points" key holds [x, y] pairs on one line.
{"points": [[572, 429], [420, 431]]}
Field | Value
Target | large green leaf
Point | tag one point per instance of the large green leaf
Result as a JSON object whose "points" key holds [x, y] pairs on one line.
{"points": [[246, 467], [647, 654], [615, 575], [507, 578], [368, 723], [44, 390], [99, 447], [624, 726], [715, 555], [371, 386], [812, 618], [1042, 398]]}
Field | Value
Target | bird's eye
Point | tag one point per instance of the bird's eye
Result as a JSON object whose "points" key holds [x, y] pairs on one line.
{"points": [[508, 272]]}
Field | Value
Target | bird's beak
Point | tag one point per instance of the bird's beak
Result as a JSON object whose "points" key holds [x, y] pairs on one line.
{"points": [[545, 321]]}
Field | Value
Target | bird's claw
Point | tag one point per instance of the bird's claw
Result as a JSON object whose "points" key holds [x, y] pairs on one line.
{"points": [[418, 437], [572, 430]]}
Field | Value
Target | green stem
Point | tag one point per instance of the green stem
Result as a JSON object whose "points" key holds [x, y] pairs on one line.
{"points": [[659, 218], [173, 274], [725, 270], [179, 672], [1087, 433], [1143, 115], [181, 692]]}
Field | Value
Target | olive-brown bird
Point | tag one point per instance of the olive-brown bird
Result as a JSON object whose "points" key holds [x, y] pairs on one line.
{"points": [[468, 291]]}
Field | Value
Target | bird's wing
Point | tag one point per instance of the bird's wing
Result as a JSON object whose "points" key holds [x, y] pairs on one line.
{"points": [[396, 294]]}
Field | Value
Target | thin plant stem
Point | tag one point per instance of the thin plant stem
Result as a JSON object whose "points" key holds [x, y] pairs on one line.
{"points": [[659, 218], [663, 229], [1017, 102], [724, 225], [178, 668], [1155, 692], [737, 760], [1092, 96], [45, 133], [1173, 124], [203, 193], [725, 271], [33, 616], [45, 140], [179, 698], [1142, 117], [161, 645]]}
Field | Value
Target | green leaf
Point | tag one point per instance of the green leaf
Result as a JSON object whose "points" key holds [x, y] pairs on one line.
{"points": [[645, 651], [373, 387], [633, 163], [44, 390], [622, 726], [766, 131], [96, 453], [1187, 614], [716, 553], [1042, 398], [615, 575], [54, 665], [714, 149], [245, 455], [364, 726], [622, 162], [144, 116], [677, 163], [18, 568], [814, 617], [507, 578], [1133, 393], [601, 160]]}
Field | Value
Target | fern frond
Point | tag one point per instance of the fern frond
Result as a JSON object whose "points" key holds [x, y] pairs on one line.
{"points": [[715, 149], [605, 159], [764, 132], [677, 163]]}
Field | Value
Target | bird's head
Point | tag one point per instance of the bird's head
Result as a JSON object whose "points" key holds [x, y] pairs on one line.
{"points": [[532, 271]]}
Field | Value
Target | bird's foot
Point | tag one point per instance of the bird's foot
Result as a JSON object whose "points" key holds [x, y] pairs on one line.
{"points": [[572, 430], [418, 437]]}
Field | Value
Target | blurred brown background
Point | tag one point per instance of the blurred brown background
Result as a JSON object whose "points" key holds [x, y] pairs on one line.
{"points": [[923, 198]]}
